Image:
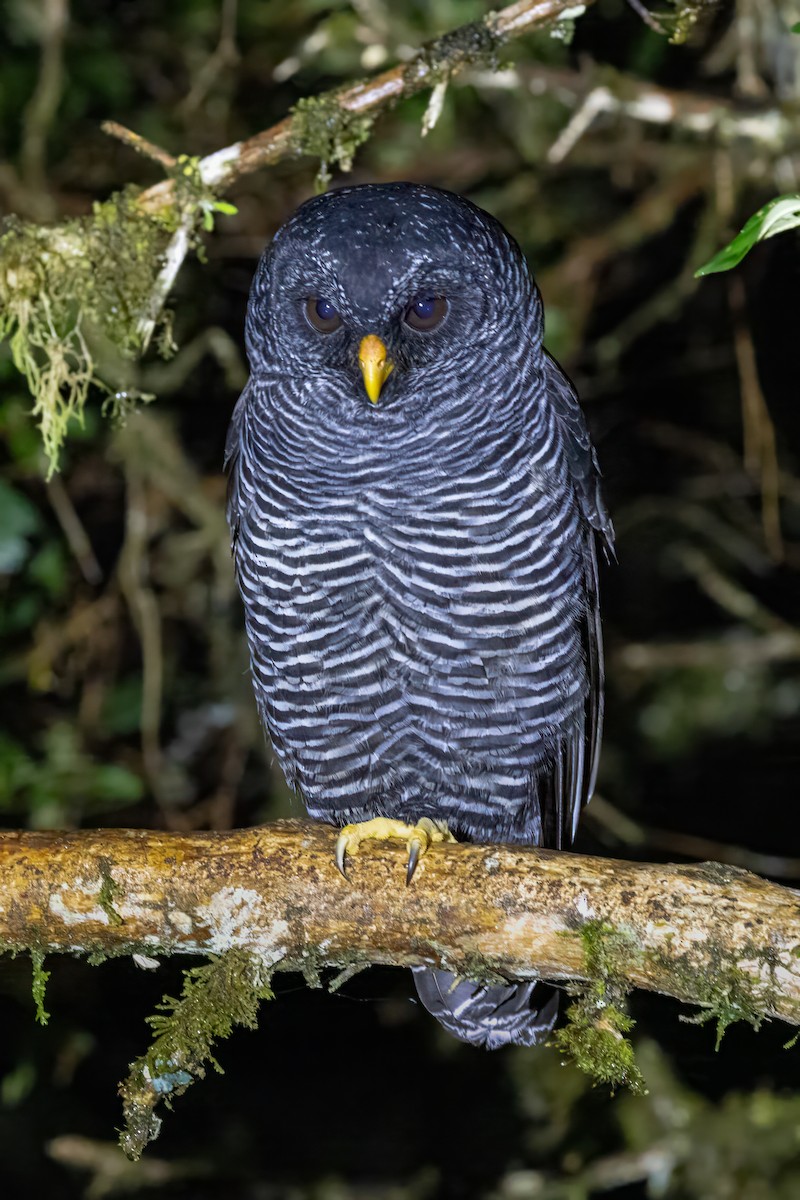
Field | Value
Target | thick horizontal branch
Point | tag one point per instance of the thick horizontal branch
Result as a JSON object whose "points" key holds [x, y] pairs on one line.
{"points": [[708, 934]]}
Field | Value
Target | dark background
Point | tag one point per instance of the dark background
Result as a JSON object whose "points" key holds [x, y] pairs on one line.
{"points": [[123, 680]]}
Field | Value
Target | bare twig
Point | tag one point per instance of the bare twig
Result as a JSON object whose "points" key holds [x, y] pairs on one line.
{"points": [[73, 530], [225, 55], [571, 282], [616, 93], [42, 106], [728, 593], [140, 144], [590, 107], [737, 650], [647, 17], [112, 1174], [175, 253], [625, 829], [760, 452], [146, 617]]}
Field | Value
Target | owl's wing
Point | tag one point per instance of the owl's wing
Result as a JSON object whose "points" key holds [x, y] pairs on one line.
{"points": [[233, 448], [577, 757], [582, 458]]}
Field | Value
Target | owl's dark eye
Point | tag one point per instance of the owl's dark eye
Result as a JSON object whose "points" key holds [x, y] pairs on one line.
{"points": [[321, 315], [426, 312]]}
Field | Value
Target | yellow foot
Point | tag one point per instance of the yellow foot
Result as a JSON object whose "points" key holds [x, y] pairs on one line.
{"points": [[418, 839]]}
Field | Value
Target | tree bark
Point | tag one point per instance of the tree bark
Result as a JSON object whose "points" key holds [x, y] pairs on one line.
{"points": [[708, 934]]}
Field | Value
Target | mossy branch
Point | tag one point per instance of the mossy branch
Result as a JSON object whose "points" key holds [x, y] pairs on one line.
{"points": [[332, 125], [80, 302], [271, 898], [711, 935]]}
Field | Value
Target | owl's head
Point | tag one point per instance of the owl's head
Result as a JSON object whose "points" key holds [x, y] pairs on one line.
{"points": [[385, 290]]}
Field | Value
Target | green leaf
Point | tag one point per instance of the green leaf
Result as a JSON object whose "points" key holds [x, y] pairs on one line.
{"points": [[222, 206], [795, 28], [780, 214], [19, 520]]}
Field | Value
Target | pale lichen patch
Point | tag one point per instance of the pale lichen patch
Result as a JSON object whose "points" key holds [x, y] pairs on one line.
{"points": [[238, 917], [76, 915], [180, 920]]}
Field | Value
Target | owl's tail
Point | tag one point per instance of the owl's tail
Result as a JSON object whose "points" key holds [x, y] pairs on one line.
{"points": [[490, 1015]]}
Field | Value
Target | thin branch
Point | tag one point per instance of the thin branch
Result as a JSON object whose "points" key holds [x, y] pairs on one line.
{"points": [[175, 253], [616, 93], [760, 451], [736, 649], [140, 144], [647, 17], [728, 593], [224, 56], [444, 57], [73, 529], [707, 934], [133, 572], [623, 828], [43, 104]]}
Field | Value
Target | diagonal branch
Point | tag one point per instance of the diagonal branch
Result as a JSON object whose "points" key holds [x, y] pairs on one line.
{"points": [[710, 935], [442, 58], [46, 274]]}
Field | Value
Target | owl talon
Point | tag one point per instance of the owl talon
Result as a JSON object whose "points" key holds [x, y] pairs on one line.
{"points": [[418, 838], [341, 851], [414, 851]]}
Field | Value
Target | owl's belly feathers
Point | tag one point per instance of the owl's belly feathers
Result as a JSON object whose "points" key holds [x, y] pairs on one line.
{"points": [[418, 658]]}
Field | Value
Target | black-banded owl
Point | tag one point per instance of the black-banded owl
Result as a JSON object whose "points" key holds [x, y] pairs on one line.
{"points": [[415, 508]]}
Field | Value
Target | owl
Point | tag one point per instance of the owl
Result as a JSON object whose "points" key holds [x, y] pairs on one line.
{"points": [[416, 513]]}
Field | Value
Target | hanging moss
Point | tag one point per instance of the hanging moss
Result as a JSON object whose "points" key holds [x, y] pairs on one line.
{"points": [[322, 128], [596, 1020], [216, 996], [39, 986], [71, 298], [724, 992], [594, 1036], [594, 1039], [679, 21], [77, 300]]}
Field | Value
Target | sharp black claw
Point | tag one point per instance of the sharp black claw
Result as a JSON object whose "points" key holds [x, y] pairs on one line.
{"points": [[341, 850], [413, 859]]}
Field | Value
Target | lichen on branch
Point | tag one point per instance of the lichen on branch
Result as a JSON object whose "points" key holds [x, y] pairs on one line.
{"points": [[324, 129], [70, 296], [80, 301], [269, 899]]}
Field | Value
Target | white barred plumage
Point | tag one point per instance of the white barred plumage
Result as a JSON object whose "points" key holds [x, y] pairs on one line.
{"points": [[419, 575]]}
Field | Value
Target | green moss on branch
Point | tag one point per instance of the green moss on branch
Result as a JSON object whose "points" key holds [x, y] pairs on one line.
{"points": [[217, 996], [594, 1035], [324, 129], [39, 986], [71, 296]]}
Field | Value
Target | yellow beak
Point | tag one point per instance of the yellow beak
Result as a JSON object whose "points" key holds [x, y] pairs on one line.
{"points": [[374, 365]]}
